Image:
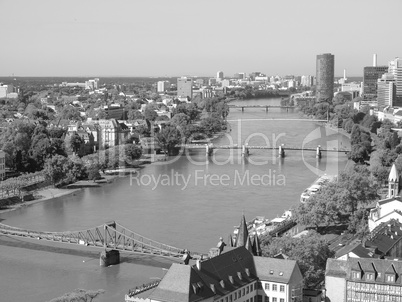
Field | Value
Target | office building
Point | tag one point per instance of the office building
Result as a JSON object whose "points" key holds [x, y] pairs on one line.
{"points": [[363, 279], [185, 87], [163, 86], [395, 68], [386, 91], [371, 74], [219, 75], [325, 65], [235, 275]]}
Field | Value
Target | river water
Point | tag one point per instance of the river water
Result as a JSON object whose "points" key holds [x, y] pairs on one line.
{"points": [[188, 202]]}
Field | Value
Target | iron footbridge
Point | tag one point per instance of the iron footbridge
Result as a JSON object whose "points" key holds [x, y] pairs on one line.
{"points": [[110, 235]]}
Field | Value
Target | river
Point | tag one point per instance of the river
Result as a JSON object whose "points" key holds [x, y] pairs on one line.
{"points": [[189, 202]]}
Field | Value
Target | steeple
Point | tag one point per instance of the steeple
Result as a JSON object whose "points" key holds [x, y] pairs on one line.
{"points": [[256, 246], [230, 241], [393, 182], [242, 234]]}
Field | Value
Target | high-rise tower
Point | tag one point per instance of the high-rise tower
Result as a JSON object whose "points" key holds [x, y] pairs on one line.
{"points": [[325, 77]]}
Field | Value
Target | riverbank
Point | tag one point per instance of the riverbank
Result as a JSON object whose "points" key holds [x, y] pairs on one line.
{"points": [[50, 192]]}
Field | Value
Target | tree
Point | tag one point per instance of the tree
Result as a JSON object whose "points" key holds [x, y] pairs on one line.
{"points": [[150, 114], [168, 138], [132, 153], [310, 251], [93, 172], [79, 295], [75, 142]]}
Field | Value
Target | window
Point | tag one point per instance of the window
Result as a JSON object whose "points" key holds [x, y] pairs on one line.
{"points": [[239, 293], [355, 275], [259, 298], [370, 276], [267, 286], [235, 295], [244, 292], [282, 288], [274, 299], [247, 290], [274, 287], [266, 299], [282, 300], [390, 278]]}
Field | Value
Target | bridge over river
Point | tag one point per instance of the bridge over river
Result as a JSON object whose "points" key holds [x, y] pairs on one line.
{"points": [[110, 236], [209, 148]]}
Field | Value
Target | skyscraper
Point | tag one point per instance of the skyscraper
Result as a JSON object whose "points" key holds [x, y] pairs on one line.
{"points": [[395, 68], [385, 90], [219, 75], [325, 77]]}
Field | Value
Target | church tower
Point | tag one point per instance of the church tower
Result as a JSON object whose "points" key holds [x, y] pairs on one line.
{"points": [[393, 182]]}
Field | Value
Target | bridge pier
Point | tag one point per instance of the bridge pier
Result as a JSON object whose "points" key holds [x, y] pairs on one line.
{"points": [[242, 109], [111, 257], [281, 151], [245, 152], [266, 109], [318, 152], [209, 149]]}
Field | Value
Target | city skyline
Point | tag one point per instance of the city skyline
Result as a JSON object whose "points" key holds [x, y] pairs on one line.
{"points": [[160, 38]]}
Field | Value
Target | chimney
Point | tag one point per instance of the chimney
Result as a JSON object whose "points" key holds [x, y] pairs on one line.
{"points": [[198, 264], [375, 60], [344, 74]]}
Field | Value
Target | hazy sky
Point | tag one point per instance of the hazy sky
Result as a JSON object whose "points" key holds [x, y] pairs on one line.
{"points": [[186, 37]]}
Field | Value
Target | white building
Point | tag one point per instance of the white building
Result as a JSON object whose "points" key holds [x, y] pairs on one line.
{"points": [[219, 75], [6, 90], [163, 86], [395, 68], [385, 90]]}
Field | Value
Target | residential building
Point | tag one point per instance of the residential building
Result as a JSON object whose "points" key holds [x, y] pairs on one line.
{"points": [[219, 75], [185, 87], [235, 275], [325, 65], [2, 165], [355, 280], [386, 92], [163, 86]]}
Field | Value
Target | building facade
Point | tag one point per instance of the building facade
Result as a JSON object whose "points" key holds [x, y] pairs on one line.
{"points": [[219, 75], [185, 87], [371, 74], [386, 91], [395, 68], [357, 279], [325, 65], [6, 90]]}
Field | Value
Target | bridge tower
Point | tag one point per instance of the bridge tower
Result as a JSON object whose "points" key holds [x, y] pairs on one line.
{"points": [[110, 257], [281, 150]]}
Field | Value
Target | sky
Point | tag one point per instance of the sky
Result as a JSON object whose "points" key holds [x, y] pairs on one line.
{"points": [[196, 38]]}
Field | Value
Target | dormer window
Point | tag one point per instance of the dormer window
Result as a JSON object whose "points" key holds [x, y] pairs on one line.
{"points": [[355, 275], [370, 276], [390, 278]]}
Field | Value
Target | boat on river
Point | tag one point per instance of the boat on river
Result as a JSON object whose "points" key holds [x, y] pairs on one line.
{"points": [[316, 186]]}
